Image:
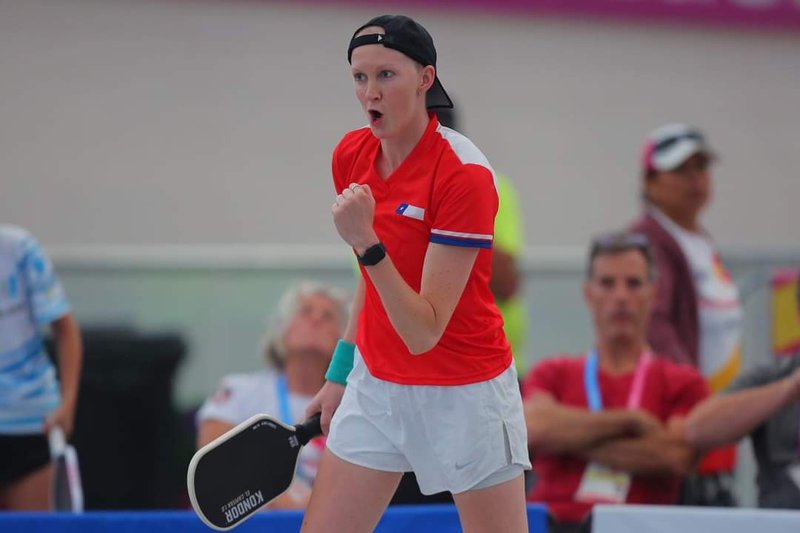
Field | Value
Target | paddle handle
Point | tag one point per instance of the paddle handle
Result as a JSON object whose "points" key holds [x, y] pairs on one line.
{"points": [[309, 429]]}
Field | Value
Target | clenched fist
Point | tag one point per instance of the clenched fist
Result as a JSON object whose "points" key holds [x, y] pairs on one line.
{"points": [[353, 213]]}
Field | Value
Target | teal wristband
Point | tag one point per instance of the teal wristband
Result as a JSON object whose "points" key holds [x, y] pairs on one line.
{"points": [[341, 362]]}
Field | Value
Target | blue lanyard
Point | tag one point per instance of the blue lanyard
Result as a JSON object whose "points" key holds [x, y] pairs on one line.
{"points": [[592, 386], [283, 400], [590, 382]]}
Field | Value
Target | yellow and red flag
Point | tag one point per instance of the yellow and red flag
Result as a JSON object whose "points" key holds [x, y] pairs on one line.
{"points": [[785, 312]]}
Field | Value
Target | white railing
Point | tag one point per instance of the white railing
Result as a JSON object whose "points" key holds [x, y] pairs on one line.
{"points": [[333, 256]]}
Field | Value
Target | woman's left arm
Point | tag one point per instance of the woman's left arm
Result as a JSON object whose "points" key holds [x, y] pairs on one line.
{"points": [[421, 318]]}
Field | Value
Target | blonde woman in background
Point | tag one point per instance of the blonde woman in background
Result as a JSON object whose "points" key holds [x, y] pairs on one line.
{"points": [[297, 349]]}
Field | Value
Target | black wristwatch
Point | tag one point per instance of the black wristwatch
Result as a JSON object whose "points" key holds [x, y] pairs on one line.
{"points": [[372, 255]]}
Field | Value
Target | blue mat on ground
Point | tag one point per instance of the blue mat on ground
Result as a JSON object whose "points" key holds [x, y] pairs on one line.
{"points": [[397, 519]]}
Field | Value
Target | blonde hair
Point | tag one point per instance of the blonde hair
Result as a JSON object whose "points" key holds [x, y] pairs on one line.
{"points": [[272, 347]]}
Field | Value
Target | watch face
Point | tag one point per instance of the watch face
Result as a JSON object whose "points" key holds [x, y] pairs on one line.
{"points": [[372, 255]]}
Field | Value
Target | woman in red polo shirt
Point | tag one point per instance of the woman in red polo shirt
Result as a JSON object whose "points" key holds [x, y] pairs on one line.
{"points": [[430, 384]]}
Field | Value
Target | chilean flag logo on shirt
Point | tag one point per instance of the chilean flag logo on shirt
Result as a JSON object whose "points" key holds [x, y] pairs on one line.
{"points": [[408, 210]]}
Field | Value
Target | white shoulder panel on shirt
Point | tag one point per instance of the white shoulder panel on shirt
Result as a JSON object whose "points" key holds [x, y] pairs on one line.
{"points": [[465, 150]]}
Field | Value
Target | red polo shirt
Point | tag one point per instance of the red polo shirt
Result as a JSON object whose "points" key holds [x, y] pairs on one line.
{"points": [[443, 192]]}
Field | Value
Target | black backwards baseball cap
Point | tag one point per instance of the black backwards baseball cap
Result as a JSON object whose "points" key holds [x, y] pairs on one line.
{"points": [[410, 38]]}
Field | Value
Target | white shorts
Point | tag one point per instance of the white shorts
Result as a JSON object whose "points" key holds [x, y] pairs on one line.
{"points": [[454, 438]]}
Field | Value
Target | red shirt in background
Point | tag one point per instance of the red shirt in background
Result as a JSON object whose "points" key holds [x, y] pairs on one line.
{"points": [[669, 390]]}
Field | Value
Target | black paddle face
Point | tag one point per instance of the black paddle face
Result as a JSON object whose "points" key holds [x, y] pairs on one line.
{"points": [[249, 469]]}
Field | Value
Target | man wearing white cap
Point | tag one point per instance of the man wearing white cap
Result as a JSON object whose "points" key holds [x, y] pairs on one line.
{"points": [[697, 315]]}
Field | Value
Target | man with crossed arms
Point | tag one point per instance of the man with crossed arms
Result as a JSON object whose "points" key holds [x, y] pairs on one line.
{"points": [[608, 426]]}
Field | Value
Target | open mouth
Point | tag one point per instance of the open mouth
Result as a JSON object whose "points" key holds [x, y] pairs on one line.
{"points": [[375, 116], [621, 316]]}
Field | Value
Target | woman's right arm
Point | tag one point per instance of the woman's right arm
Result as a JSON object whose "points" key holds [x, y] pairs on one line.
{"points": [[330, 395]]}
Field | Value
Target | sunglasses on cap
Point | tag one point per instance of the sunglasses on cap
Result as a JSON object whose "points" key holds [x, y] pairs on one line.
{"points": [[618, 242], [665, 144], [621, 239]]}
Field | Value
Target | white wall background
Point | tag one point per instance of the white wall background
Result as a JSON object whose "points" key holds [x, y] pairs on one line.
{"points": [[143, 121]]}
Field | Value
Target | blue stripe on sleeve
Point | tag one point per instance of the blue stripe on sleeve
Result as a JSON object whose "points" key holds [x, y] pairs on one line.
{"points": [[454, 241]]}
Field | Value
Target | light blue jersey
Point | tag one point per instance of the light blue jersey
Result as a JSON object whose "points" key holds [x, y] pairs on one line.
{"points": [[30, 297]]}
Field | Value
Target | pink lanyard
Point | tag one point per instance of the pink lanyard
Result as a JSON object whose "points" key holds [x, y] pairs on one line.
{"points": [[592, 384]]}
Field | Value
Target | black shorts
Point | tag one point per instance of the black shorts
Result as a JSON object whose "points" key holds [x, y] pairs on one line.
{"points": [[21, 455]]}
